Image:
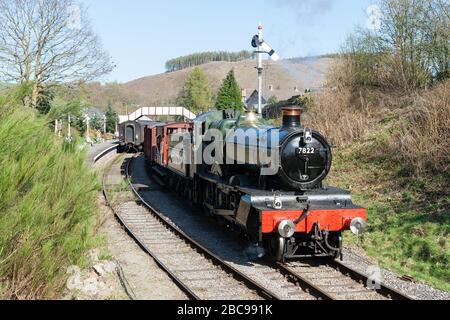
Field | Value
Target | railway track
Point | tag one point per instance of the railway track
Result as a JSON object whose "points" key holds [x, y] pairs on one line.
{"points": [[304, 280], [335, 281], [197, 271]]}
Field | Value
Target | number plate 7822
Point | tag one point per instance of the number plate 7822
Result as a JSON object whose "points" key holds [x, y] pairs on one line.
{"points": [[305, 151]]}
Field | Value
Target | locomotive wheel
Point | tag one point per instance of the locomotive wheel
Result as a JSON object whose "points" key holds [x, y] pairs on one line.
{"points": [[276, 248], [335, 242]]}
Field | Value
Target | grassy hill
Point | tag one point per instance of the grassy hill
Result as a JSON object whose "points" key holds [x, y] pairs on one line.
{"points": [[282, 77]]}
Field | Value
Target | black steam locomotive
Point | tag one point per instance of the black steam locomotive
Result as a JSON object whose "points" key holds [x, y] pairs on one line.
{"points": [[266, 181]]}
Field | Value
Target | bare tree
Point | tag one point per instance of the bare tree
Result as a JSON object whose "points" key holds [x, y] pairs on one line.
{"points": [[46, 42], [438, 36], [403, 34], [410, 50]]}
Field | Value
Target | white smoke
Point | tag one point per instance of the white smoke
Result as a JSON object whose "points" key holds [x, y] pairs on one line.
{"points": [[305, 72], [306, 10], [303, 13]]}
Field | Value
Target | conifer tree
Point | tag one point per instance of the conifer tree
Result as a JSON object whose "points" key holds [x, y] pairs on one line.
{"points": [[229, 96], [96, 123], [111, 118]]}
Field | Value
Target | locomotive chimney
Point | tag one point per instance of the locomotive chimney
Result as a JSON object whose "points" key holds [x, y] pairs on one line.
{"points": [[292, 117]]}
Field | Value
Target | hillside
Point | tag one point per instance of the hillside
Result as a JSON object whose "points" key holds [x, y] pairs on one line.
{"points": [[280, 79], [386, 154]]}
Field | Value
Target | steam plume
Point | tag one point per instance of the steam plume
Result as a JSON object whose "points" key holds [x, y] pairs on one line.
{"points": [[307, 10]]}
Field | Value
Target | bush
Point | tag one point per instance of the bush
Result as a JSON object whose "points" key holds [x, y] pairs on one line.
{"points": [[334, 113], [412, 130], [410, 49], [424, 137], [47, 206]]}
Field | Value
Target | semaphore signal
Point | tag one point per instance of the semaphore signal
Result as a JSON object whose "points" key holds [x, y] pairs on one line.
{"points": [[262, 48]]}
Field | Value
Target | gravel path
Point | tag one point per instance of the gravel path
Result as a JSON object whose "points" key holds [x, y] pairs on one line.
{"points": [[240, 254], [146, 279], [227, 246], [203, 277]]}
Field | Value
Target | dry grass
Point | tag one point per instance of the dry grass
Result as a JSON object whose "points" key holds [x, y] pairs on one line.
{"points": [[424, 135], [393, 153], [334, 114], [412, 129]]}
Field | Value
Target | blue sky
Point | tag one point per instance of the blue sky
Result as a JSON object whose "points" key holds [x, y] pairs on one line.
{"points": [[141, 35]]}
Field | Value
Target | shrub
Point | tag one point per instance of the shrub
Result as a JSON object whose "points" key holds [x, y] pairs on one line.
{"points": [[333, 114], [47, 206], [411, 130], [423, 141]]}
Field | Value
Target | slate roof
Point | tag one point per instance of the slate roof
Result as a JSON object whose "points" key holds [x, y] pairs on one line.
{"points": [[253, 99]]}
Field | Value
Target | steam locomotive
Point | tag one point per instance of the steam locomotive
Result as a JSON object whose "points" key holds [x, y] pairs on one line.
{"points": [[265, 181]]}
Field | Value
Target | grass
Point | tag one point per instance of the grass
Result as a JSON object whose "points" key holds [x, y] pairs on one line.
{"points": [[409, 221], [392, 150], [47, 206], [120, 193]]}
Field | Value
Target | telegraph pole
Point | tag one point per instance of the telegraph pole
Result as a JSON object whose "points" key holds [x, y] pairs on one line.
{"points": [[69, 132], [87, 126]]}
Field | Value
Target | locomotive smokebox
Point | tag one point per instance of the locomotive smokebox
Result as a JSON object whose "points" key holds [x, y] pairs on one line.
{"points": [[292, 117]]}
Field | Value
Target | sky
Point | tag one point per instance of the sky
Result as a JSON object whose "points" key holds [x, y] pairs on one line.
{"points": [[141, 35]]}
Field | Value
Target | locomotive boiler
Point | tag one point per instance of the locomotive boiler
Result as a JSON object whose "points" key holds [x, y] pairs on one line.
{"points": [[294, 158]]}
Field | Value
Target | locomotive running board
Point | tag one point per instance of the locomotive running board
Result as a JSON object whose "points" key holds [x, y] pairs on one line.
{"points": [[158, 180], [159, 171]]}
